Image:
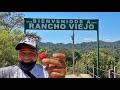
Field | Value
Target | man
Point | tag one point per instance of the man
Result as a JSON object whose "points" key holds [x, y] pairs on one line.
{"points": [[27, 67]]}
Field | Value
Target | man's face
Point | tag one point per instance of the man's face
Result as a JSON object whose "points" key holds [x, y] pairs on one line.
{"points": [[27, 54]]}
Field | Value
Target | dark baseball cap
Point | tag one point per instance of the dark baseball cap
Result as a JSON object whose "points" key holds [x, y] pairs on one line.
{"points": [[27, 41]]}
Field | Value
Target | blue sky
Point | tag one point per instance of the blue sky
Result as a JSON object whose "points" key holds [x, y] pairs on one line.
{"points": [[109, 27]]}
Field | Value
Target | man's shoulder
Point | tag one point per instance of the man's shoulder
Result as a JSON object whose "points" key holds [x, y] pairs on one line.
{"points": [[40, 68], [39, 65], [8, 71], [9, 67]]}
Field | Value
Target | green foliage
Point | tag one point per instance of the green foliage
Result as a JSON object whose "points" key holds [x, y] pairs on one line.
{"points": [[10, 35], [48, 51], [8, 54], [69, 58], [116, 55], [106, 59]]}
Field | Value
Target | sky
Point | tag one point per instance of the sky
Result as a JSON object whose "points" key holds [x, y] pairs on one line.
{"points": [[109, 27]]}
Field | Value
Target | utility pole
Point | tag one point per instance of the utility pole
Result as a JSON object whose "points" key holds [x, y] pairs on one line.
{"points": [[73, 52]]}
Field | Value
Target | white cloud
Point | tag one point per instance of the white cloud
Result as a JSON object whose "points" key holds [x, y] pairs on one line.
{"points": [[107, 39], [89, 39]]}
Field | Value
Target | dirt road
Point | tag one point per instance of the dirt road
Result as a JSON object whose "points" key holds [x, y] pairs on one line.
{"points": [[80, 76], [72, 76]]}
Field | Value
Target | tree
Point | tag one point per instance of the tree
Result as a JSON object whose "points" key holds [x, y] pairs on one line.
{"points": [[106, 59], [11, 20], [62, 50], [18, 36], [8, 54], [117, 55], [69, 58], [77, 55]]}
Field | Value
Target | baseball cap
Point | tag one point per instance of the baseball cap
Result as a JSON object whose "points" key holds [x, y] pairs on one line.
{"points": [[27, 41]]}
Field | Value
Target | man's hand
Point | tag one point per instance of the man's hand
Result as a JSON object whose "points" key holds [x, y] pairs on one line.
{"points": [[56, 68]]}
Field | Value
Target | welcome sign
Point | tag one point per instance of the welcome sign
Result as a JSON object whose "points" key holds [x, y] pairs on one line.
{"points": [[60, 24]]}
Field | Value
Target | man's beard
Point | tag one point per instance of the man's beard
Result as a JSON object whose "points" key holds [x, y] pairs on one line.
{"points": [[26, 66]]}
